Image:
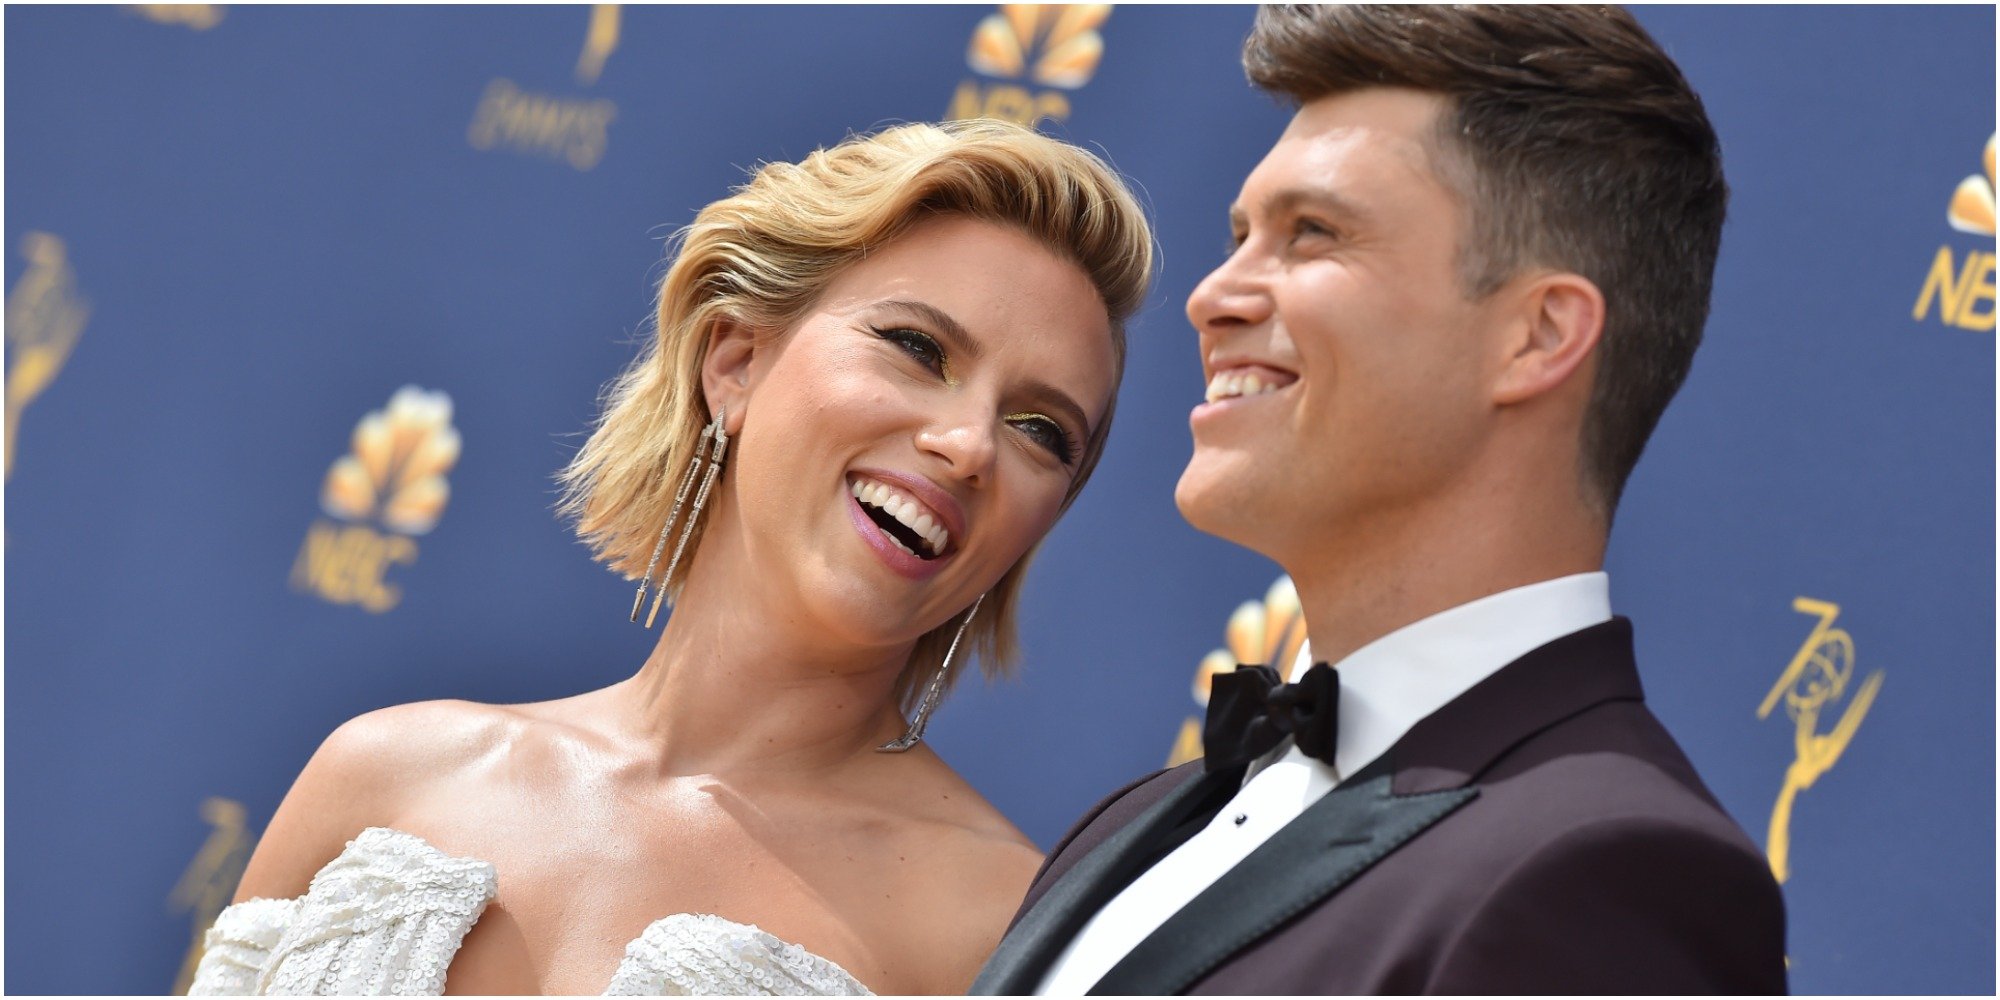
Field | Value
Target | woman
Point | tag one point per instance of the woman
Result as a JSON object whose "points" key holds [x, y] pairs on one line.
{"points": [[879, 377]]}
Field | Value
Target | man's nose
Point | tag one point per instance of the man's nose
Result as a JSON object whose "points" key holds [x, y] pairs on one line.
{"points": [[1236, 293]]}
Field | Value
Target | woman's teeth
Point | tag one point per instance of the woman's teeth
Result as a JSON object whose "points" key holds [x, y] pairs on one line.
{"points": [[907, 513], [1229, 386]]}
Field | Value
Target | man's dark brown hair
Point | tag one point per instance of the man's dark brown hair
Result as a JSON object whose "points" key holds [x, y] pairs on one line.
{"points": [[1574, 143]]}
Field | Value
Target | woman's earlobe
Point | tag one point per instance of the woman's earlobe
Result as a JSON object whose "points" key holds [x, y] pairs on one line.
{"points": [[726, 367]]}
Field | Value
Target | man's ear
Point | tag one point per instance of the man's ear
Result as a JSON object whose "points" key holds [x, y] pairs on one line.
{"points": [[1559, 321], [726, 369]]}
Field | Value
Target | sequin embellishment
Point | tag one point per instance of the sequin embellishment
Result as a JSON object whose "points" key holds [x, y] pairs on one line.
{"points": [[386, 916]]}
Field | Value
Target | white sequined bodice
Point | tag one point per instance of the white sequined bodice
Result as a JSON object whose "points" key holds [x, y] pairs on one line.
{"points": [[388, 914]]}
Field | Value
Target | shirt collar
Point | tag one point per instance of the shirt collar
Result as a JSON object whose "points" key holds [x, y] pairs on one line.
{"points": [[1392, 683]]}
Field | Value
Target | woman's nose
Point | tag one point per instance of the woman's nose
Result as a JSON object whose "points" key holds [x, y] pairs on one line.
{"points": [[965, 442]]}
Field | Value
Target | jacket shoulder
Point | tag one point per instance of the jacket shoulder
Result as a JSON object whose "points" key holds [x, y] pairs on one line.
{"points": [[1613, 764], [1108, 816], [1637, 903]]}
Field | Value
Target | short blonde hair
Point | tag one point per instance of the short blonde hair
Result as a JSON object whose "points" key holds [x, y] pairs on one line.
{"points": [[763, 256]]}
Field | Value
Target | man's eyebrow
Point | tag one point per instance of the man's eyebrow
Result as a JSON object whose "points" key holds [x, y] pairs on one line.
{"points": [[941, 321], [1294, 198]]}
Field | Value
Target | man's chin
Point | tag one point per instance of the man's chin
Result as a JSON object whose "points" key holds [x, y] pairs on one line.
{"points": [[1215, 503]]}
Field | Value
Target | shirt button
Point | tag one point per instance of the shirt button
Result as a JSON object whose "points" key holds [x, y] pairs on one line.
{"points": [[1242, 818]]}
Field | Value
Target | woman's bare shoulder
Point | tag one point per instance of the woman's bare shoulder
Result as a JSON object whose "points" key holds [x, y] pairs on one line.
{"points": [[368, 772], [992, 854], [992, 865], [402, 746], [976, 868], [940, 795]]}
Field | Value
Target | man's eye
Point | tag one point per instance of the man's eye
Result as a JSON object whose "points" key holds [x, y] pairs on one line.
{"points": [[1046, 433], [1307, 227], [917, 345]]}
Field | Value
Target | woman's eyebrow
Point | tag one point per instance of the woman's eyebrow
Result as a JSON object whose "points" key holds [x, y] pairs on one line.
{"points": [[964, 343], [1056, 399], [962, 339]]}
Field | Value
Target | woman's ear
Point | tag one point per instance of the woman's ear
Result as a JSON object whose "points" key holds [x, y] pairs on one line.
{"points": [[1561, 320], [726, 377]]}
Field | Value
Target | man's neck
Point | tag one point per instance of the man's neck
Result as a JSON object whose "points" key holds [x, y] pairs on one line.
{"points": [[1359, 584]]}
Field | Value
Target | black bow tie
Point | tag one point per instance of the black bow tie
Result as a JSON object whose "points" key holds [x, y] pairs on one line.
{"points": [[1250, 711]]}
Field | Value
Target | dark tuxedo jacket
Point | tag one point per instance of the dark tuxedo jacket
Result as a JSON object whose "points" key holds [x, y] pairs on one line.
{"points": [[1541, 833]]}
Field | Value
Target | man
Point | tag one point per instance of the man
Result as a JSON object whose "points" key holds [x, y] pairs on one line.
{"points": [[1467, 280]]}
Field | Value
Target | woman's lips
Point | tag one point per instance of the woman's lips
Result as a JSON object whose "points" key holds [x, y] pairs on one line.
{"points": [[940, 503], [902, 561]]}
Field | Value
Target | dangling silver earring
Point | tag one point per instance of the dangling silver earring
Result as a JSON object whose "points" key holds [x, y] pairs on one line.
{"points": [[915, 734], [713, 459]]}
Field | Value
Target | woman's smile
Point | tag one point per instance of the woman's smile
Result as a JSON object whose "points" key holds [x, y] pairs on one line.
{"points": [[913, 537]]}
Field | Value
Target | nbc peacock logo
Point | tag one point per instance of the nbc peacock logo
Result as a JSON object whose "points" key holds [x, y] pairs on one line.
{"points": [[1271, 631], [1971, 209], [389, 488], [1962, 290], [1034, 52]]}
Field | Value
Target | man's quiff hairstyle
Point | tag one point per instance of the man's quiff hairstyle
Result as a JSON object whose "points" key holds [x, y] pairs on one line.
{"points": [[1574, 143], [762, 257]]}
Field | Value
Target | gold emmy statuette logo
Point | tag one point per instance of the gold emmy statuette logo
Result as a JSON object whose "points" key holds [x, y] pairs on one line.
{"points": [[1963, 291], [394, 476], [210, 880], [44, 317], [198, 16], [598, 43], [1269, 632], [1051, 45], [1812, 683], [575, 130]]}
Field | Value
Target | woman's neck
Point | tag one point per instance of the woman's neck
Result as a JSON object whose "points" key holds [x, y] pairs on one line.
{"points": [[737, 685]]}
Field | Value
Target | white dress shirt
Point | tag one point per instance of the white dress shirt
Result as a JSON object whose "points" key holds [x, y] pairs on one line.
{"points": [[1386, 687]]}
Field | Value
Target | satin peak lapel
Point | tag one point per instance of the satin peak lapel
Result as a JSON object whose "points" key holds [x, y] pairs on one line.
{"points": [[1025, 954], [1334, 840]]}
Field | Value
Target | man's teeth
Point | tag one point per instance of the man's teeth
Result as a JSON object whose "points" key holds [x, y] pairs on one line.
{"points": [[1228, 386], [907, 512]]}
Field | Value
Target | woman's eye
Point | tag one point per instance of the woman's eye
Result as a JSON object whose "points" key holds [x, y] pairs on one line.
{"points": [[917, 345], [1046, 433]]}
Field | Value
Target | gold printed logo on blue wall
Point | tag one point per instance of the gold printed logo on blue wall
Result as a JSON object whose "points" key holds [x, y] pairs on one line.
{"points": [[575, 130], [45, 316], [1052, 46], [194, 16], [1962, 291], [393, 477], [211, 878], [1810, 688], [1270, 632]]}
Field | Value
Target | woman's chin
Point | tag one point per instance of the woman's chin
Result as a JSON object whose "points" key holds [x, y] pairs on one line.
{"points": [[865, 619]]}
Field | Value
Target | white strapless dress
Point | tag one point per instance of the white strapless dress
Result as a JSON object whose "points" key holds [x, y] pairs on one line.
{"points": [[387, 915]]}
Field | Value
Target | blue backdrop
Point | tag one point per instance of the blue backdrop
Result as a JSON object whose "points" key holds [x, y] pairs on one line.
{"points": [[234, 233]]}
